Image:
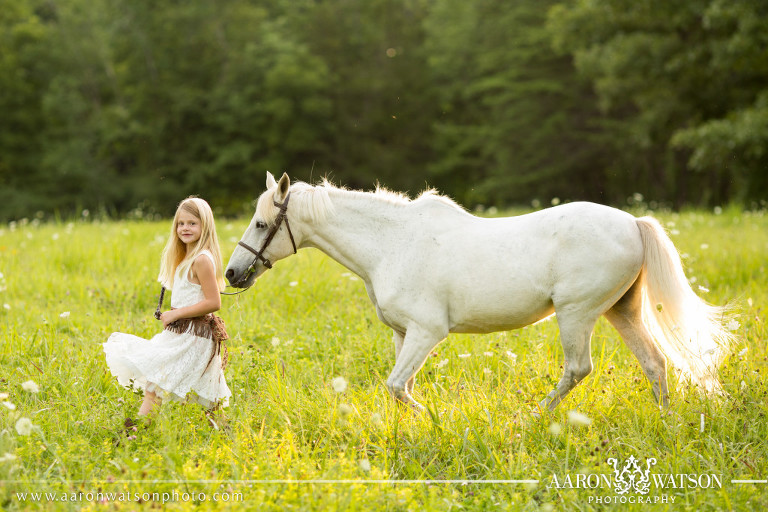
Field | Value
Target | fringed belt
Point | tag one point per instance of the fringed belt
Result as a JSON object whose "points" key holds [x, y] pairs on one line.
{"points": [[210, 327]]}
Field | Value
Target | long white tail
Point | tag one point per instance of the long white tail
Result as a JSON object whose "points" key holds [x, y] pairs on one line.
{"points": [[689, 331]]}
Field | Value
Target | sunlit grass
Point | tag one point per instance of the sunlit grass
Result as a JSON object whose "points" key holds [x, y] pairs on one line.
{"points": [[66, 286]]}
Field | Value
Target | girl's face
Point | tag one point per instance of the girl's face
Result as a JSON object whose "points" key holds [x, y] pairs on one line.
{"points": [[188, 229]]}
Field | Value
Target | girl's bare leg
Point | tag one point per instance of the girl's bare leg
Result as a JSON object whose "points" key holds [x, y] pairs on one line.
{"points": [[150, 402]]}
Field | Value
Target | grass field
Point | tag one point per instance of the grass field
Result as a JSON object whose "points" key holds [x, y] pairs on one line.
{"points": [[291, 441]]}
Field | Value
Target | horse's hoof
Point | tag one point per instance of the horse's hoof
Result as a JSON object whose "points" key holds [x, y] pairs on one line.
{"points": [[417, 407]]}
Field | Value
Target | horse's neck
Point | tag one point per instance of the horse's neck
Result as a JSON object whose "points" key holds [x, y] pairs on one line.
{"points": [[360, 233]]}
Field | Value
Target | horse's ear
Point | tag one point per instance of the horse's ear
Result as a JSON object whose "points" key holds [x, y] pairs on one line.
{"points": [[271, 183], [282, 188]]}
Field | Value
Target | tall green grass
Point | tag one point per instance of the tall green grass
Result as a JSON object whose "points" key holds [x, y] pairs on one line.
{"points": [[290, 441]]}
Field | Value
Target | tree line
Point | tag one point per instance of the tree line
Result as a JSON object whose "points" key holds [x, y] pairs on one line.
{"points": [[117, 104]]}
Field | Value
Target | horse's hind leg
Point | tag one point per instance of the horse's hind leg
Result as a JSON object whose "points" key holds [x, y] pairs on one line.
{"points": [[626, 316], [575, 335]]}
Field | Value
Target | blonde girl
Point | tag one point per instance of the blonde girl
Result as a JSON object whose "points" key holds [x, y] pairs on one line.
{"points": [[183, 362]]}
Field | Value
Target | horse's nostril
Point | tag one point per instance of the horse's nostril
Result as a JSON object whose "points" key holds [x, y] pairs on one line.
{"points": [[229, 274]]}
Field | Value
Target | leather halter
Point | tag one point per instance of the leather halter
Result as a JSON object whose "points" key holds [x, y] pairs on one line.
{"points": [[281, 217]]}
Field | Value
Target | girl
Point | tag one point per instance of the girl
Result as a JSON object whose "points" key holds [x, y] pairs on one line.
{"points": [[184, 357]]}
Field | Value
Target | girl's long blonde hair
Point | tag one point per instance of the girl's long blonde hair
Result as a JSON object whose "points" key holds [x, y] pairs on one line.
{"points": [[175, 251]]}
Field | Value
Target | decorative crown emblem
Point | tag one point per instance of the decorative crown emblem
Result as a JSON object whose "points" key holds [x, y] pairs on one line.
{"points": [[631, 477]]}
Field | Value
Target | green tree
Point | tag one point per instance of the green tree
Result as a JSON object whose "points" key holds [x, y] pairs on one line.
{"points": [[664, 71], [516, 121], [380, 94], [24, 71], [732, 145]]}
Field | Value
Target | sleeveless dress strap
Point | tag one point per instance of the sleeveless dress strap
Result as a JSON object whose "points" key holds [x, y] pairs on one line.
{"points": [[210, 256]]}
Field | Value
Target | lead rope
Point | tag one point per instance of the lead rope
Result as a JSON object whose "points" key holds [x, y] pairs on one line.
{"points": [[160, 303]]}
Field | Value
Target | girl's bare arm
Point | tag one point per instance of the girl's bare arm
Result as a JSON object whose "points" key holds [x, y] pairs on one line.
{"points": [[206, 274]]}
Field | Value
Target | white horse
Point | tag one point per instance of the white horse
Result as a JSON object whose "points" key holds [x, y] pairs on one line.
{"points": [[431, 268]]}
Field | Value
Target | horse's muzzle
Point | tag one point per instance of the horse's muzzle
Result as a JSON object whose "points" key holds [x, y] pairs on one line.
{"points": [[236, 283]]}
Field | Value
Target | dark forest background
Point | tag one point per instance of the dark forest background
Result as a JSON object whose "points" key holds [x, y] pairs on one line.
{"points": [[111, 105]]}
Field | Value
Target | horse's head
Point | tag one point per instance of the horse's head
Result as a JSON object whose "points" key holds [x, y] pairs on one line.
{"points": [[268, 237]]}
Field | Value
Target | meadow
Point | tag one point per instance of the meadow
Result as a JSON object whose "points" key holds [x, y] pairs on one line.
{"points": [[298, 437]]}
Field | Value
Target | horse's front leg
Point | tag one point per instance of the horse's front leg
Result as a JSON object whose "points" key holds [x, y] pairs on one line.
{"points": [[398, 338], [414, 348]]}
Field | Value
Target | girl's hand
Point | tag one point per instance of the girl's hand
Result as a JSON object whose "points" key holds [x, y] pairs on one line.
{"points": [[168, 317]]}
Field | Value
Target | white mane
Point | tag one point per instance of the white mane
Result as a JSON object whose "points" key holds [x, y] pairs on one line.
{"points": [[309, 203], [315, 203]]}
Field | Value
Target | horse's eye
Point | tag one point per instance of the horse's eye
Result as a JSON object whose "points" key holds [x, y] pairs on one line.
{"points": [[261, 225]]}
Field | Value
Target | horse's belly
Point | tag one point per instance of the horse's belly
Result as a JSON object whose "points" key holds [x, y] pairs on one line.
{"points": [[497, 313]]}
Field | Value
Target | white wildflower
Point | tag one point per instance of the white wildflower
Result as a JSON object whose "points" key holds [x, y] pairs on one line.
{"points": [[733, 325], [442, 363], [376, 420], [64, 315], [487, 371], [703, 289], [345, 410], [704, 247], [30, 386], [749, 301], [577, 418], [24, 426], [464, 356], [488, 354], [4, 396], [7, 307], [365, 465], [275, 341], [555, 201], [718, 210], [293, 283], [512, 356], [10, 406], [7, 457], [339, 384], [555, 428], [743, 352]]}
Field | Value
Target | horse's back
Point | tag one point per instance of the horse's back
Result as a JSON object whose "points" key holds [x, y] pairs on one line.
{"points": [[503, 273]]}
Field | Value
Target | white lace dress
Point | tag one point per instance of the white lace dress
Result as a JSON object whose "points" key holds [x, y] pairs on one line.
{"points": [[175, 366]]}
